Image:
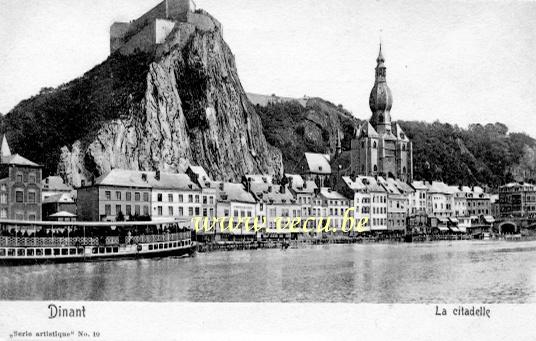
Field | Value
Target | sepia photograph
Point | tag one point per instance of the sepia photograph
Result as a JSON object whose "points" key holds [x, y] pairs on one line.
{"points": [[189, 158]]}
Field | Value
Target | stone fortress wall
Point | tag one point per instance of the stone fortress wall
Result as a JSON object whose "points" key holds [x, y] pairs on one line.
{"points": [[154, 27]]}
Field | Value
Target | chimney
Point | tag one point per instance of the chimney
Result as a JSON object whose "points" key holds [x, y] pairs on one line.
{"points": [[221, 186], [157, 175], [269, 189], [304, 184], [282, 189], [290, 182], [144, 177]]}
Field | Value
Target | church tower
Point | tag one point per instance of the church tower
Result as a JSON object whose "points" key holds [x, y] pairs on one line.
{"points": [[380, 147]]}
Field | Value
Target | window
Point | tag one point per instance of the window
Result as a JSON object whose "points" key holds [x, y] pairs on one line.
{"points": [[31, 178], [108, 209], [181, 198], [158, 197], [181, 211], [375, 168], [129, 196], [117, 209], [170, 210], [3, 198], [32, 217], [117, 195], [3, 188], [146, 210], [145, 196], [108, 195], [159, 210], [137, 209], [374, 145], [137, 196], [204, 212], [190, 198], [3, 213], [190, 211], [19, 216], [197, 211], [204, 199], [128, 210], [31, 197], [211, 200], [19, 196], [19, 177], [170, 197]]}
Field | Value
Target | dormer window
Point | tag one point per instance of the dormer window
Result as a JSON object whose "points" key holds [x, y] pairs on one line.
{"points": [[320, 168], [402, 136]]}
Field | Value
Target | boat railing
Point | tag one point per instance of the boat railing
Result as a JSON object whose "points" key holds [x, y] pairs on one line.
{"points": [[89, 241], [47, 241]]}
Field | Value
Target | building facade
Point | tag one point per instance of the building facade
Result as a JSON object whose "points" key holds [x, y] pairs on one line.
{"points": [[20, 186]]}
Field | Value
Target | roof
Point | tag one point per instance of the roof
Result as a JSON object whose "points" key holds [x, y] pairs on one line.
{"points": [[55, 183], [367, 131], [199, 171], [259, 178], [402, 186], [298, 184], [59, 198], [331, 194], [272, 193], [363, 184], [62, 214], [399, 133], [419, 185], [438, 187], [18, 160], [234, 192], [390, 187], [134, 178], [318, 163], [5, 151]]}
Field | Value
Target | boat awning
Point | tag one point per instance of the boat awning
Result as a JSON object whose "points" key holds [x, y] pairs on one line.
{"points": [[454, 229], [462, 229], [489, 219], [443, 228], [453, 220]]}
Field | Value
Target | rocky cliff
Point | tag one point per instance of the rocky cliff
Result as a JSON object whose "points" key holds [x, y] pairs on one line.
{"points": [[181, 104]]}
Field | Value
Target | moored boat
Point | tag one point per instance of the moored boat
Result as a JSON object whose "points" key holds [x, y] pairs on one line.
{"points": [[30, 242]]}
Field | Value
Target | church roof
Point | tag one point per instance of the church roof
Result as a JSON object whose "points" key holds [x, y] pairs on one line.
{"points": [[399, 133], [368, 131], [318, 163]]}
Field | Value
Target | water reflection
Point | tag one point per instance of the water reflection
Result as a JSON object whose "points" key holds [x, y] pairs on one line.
{"points": [[466, 272]]}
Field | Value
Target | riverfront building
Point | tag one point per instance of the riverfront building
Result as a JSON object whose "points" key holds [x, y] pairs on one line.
{"points": [[20, 186]]}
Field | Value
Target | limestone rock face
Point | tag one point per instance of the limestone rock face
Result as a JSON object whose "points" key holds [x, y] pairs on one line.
{"points": [[193, 110]]}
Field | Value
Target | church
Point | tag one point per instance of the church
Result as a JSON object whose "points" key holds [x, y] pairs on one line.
{"points": [[380, 147]]}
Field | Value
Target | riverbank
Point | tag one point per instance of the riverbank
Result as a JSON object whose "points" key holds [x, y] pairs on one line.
{"points": [[285, 243]]}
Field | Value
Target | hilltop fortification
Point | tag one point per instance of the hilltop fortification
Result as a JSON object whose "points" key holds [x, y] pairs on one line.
{"points": [[153, 28]]}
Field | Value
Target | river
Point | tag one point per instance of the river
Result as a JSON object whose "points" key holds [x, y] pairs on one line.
{"points": [[438, 272]]}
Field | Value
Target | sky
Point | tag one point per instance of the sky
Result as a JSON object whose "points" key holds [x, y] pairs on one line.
{"points": [[457, 62]]}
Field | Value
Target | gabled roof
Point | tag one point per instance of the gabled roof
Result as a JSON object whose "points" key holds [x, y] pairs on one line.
{"points": [[5, 151], [63, 198], [301, 186], [134, 178], [234, 192], [389, 186], [318, 163], [272, 193], [363, 184], [55, 183], [401, 186], [399, 133], [438, 187], [419, 185], [18, 160], [259, 178], [367, 130], [331, 194]]}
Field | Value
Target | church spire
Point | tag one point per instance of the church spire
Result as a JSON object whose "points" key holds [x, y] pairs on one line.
{"points": [[381, 99]]}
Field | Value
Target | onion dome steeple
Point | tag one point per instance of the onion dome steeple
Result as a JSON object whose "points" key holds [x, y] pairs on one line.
{"points": [[381, 99]]}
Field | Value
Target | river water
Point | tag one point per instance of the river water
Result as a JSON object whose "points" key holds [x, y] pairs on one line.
{"points": [[439, 272]]}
